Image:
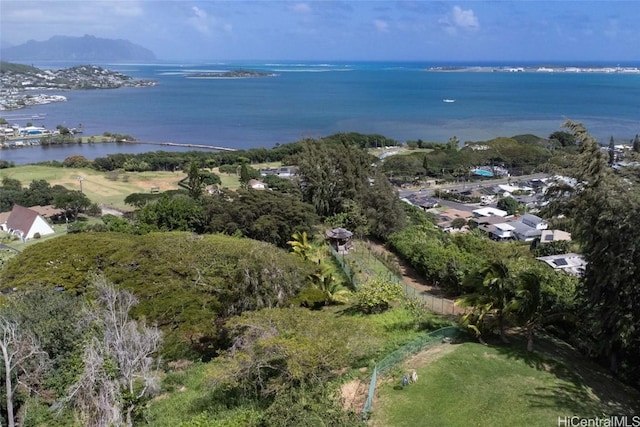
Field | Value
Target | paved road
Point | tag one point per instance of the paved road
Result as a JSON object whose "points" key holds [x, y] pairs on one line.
{"points": [[429, 191]]}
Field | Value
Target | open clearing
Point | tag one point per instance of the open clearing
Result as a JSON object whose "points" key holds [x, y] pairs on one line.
{"points": [[104, 188], [471, 384]]}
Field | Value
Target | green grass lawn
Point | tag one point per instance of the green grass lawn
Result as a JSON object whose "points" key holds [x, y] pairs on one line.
{"points": [[100, 187], [476, 385]]}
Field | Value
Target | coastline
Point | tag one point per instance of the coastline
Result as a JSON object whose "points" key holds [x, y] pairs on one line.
{"points": [[535, 69], [36, 142], [399, 101]]}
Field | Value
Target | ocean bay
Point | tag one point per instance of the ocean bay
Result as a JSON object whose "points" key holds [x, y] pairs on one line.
{"points": [[399, 100]]}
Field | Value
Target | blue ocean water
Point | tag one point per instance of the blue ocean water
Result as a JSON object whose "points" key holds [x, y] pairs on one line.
{"points": [[399, 100]]}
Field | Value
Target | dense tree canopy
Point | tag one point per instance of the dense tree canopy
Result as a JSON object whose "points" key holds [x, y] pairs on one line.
{"points": [[263, 215], [183, 282], [334, 176]]}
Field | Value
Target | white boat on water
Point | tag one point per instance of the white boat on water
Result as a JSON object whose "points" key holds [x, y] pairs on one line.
{"points": [[448, 100]]}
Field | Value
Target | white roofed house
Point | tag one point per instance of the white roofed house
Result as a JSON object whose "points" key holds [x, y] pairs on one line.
{"points": [[570, 263], [502, 231], [25, 223], [489, 211]]}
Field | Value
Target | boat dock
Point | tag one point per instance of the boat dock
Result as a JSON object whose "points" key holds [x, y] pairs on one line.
{"points": [[177, 144]]}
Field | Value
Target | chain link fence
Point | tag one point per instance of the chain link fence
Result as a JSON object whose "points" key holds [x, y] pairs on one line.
{"points": [[434, 303], [397, 356]]}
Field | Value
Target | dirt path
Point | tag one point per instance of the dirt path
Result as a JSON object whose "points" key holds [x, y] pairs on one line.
{"points": [[433, 296]]}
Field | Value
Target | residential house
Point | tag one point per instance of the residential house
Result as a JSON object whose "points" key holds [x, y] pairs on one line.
{"points": [[288, 171], [528, 227], [256, 184], [534, 221], [501, 231], [489, 211], [570, 263], [445, 218], [25, 223], [48, 212], [548, 236]]}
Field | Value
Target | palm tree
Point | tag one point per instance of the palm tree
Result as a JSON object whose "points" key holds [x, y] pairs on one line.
{"points": [[334, 292], [299, 245], [531, 306], [492, 289]]}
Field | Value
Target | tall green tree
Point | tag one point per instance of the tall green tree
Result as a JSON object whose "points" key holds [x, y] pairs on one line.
{"points": [[383, 208], [509, 204], [612, 151], [178, 213], [195, 181], [606, 221], [489, 291], [534, 304], [72, 201]]}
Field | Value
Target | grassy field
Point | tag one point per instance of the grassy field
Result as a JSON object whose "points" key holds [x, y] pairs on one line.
{"points": [[472, 384], [111, 188], [108, 189]]}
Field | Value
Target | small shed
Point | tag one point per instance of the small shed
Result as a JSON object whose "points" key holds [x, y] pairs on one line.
{"points": [[340, 239]]}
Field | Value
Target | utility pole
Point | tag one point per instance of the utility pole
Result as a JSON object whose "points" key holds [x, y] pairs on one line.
{"points": [[80, 179]]}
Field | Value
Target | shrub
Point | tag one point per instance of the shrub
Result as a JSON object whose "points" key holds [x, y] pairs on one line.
{"points": [[312, 298], [376, 295]]}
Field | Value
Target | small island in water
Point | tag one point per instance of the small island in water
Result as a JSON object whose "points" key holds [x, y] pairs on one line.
{"points": [[232, 74]]}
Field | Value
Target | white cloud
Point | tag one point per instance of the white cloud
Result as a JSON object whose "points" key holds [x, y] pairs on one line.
{"points": [[300, 8], [199, 13], [465, 18], [200, 21], [127, 9], [205, 24], [381, 25], [459, 19]]}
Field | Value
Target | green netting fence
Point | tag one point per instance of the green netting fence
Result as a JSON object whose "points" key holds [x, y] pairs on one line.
{"points": [[401, 354], [434, 303], [340, 259]]}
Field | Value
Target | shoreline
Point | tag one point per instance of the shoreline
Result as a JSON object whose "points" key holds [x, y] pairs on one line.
{"points": [[35, 142], [535, 69]]}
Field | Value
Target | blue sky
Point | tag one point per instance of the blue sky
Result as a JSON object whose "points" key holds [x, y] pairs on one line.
{"points": [[529, 30]]}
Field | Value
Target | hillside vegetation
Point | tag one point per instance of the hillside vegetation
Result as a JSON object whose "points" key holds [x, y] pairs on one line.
{"points": [[185, 283]]}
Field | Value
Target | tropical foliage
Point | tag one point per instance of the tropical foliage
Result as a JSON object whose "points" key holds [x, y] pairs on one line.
{"points": [[184, 282], [605, 209]]}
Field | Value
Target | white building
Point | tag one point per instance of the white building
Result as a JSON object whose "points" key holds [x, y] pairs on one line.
{"points": [[489, 211], [25, 223]]}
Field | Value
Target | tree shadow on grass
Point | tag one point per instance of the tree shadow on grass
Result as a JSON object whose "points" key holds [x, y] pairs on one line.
{"points": [[584, 388]]}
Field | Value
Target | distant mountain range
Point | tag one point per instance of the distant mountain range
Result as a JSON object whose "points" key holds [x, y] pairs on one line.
{"points": [[87, 48]]}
